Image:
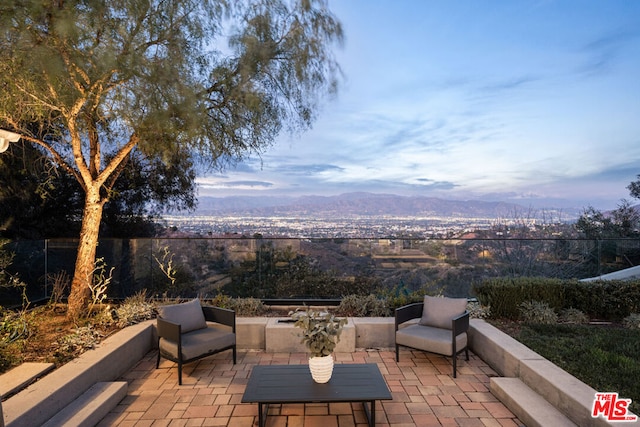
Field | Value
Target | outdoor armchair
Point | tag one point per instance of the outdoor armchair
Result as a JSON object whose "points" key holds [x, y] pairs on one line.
{"points": [[189, 331], [437, 325]]}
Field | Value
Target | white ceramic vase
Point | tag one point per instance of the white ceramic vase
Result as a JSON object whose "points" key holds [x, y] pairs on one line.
{"points": [[321, 368]]}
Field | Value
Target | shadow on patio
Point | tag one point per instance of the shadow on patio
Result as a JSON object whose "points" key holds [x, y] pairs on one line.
{"points": [[424, 394]]}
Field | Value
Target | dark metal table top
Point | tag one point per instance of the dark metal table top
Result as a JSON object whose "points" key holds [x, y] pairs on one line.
{"points": [[293, 384]]}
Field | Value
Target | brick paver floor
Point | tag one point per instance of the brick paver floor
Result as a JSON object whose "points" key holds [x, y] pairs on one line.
{"points": [[424, 394]]}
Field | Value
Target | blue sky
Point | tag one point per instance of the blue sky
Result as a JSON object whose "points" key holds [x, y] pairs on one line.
{"points": [[536, 102]]}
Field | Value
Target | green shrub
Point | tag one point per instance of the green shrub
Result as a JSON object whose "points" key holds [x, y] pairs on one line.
{"points": [[632, 321], [538, 312], [478, 311], [7, 357], [608, 300], [134, 309], [573, 316], [362, 306], [222, 300], [604, 299], [72, 345], [401, 296], [14, 325], [247, 306], [505, 295]]}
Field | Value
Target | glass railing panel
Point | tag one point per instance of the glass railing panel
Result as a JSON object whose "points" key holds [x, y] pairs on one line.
{"points": [[314, 267]]}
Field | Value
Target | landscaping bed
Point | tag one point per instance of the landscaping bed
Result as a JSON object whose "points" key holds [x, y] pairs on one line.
{"points": [[45, 334], [605, 356]]}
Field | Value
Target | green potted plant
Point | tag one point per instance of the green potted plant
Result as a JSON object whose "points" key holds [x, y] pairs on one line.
{"points": [[320, 333]]}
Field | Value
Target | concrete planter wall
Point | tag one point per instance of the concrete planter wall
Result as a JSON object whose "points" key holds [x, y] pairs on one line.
{"points": [[250, 332], [375, 332], [264, 333], [284, 337]]}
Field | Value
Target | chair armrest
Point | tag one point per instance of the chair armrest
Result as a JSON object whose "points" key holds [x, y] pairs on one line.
{"points": [[408, 312], [168, 330], [460, 323], [220, 315]]}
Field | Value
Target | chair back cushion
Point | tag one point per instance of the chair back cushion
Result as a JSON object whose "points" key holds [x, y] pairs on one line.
{"points": [[188, 315], [438, 311]]}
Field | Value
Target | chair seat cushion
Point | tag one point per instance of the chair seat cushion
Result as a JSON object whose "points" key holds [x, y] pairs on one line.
{"points": [[199, 342], [428, 338]]}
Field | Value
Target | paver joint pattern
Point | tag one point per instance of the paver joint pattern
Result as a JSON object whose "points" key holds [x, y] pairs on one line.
{"points": [[424, 394]]}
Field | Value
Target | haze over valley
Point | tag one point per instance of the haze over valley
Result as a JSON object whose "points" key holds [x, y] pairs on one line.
{"points": [[356, 215]]}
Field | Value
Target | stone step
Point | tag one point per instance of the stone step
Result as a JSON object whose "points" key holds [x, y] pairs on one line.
{"points": [[567, 393], [531, 408], [14, 380], [91, 406]]}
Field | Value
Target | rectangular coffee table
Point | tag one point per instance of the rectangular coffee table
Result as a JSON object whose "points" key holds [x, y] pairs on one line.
{"points": [[293, 384]]}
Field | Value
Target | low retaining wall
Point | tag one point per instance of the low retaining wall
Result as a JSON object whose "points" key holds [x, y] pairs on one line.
{"points": [[510, 358], [503, 353]]}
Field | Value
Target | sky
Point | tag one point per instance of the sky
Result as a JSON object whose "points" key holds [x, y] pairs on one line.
{"points": [[533, 102]]}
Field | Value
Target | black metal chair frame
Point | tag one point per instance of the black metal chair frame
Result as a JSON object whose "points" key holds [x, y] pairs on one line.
{"points": [[459, 325], [172, 332]]}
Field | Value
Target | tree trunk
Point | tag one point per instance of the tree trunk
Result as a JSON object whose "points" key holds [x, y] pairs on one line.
{"points": [[80, 296]]}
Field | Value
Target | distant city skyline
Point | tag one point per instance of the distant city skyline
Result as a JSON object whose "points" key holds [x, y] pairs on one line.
{"points": [[533, 102]]}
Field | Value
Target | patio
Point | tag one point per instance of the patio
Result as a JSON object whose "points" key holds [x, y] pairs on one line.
{"points": [[424, 393]]}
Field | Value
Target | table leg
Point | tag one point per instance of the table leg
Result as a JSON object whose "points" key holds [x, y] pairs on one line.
{"points": [[371, 414], [262, 416]]}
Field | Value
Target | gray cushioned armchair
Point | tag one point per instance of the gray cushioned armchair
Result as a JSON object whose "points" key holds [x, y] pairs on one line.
{"points": [[437, 325], [189, 331]]}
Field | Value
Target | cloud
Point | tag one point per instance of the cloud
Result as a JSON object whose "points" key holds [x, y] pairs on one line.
{"points": [[212, 184], [411, 134], [248, 166], [611, 41], [421, 186], [604, 51], [509, 84], [436, 185], [307, 169], [616, 173]]}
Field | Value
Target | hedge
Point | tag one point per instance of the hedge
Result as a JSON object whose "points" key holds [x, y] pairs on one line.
{"points": [[607, 300]]}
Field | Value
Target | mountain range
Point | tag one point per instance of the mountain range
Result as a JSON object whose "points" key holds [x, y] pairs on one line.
{"points": [[369, 204]]}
